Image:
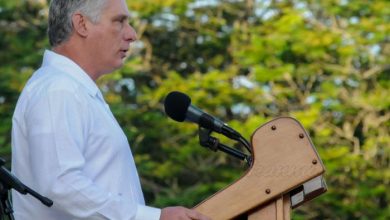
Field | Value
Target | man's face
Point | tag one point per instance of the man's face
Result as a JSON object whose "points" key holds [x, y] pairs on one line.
{"points": [[109, 39]]}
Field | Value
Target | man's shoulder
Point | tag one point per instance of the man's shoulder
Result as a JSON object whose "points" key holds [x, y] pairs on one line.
{"points": [[49, 79], [48, 84]]}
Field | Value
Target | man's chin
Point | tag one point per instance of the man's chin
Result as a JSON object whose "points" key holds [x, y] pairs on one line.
{"points": [[113, 68], [119, 64]]}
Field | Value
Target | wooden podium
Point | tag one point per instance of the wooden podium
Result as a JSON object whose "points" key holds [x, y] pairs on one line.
{"points": [[286, 172]]}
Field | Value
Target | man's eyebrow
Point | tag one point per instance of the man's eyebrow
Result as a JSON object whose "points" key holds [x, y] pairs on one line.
{"points": [[120, 17]]}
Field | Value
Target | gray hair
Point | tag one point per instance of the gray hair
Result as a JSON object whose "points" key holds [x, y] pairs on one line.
{"points": [[60, 24]]}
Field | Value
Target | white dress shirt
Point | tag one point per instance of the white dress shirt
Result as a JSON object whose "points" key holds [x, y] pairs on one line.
{"points": [[67, 146]]}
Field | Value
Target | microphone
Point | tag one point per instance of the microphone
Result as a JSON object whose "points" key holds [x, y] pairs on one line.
{"points": [[178, 107]]}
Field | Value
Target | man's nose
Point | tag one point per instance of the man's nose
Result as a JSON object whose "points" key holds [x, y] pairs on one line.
{"points": [[130, 34]]}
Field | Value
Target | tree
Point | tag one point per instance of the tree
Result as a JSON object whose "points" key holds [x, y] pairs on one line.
{"points": [[22, 39], [325, 63]]}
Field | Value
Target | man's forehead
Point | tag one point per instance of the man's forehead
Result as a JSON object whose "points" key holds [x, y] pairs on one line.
{"points": [[117, 8]]}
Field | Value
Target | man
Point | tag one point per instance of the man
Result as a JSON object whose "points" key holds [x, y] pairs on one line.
{"points": [[66, 144]]}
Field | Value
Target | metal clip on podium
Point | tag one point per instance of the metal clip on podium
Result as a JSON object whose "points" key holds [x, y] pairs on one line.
{"points": [[285, 172]]}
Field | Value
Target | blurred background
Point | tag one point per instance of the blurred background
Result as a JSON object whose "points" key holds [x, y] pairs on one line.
{"points": [[325, 63]]}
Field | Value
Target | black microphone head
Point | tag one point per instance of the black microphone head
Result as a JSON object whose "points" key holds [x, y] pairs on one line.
{"points": [[176, 105]]}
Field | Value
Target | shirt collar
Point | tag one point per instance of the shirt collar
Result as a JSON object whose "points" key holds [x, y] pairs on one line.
{"points": [[68, 66]]}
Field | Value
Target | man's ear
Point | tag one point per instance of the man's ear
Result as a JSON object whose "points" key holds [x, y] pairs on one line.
{"points": [[79, 22]]}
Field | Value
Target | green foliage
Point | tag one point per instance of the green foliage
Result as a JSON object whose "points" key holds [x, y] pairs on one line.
{"points": [[325, 63], [22, 38]]}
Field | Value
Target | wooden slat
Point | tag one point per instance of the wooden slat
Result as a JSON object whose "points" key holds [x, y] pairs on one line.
{"points": [[264, 212]]}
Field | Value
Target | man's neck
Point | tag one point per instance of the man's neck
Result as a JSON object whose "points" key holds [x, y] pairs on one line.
{"points": [[73, 52]]}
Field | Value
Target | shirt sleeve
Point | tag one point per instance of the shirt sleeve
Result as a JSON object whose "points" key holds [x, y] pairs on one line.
{"points": [[146, 212], [57, 132]]}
